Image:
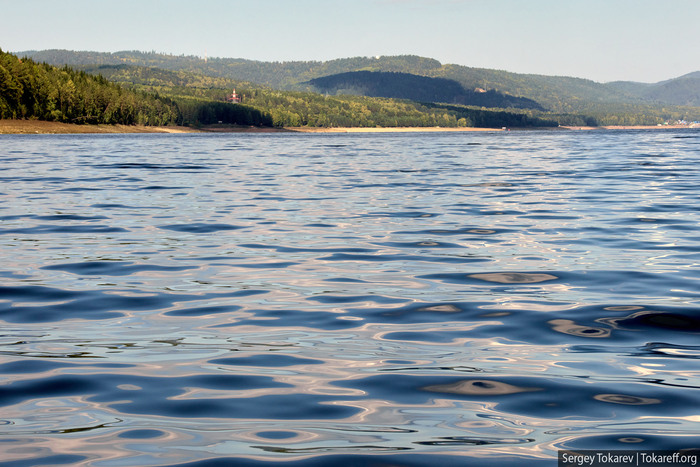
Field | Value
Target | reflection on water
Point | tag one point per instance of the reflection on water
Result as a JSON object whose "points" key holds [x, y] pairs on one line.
{"points": [[396, 299]]}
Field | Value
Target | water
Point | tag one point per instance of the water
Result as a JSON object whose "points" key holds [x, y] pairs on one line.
{"points": [[396, 299]]}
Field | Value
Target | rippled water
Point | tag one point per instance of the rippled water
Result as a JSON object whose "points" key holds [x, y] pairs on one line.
{"points": [[403, 299]]}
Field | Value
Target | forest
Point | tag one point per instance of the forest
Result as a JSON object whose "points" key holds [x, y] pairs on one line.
{"points": [[304, 108], [158, 89], [45, 92], [398, 85], [559, 94], [151, 96]]}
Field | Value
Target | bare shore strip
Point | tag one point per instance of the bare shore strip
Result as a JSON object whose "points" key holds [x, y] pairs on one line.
{"points": [[42, 127]]}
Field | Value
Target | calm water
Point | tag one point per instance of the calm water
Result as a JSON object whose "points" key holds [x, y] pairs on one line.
{"points": [[410, 299]]}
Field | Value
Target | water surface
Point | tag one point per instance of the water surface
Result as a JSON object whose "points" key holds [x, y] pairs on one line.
{"points": [[404, 299]]}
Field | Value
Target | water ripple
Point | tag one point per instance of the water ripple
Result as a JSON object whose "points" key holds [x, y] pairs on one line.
{"points": [[370, 299]]}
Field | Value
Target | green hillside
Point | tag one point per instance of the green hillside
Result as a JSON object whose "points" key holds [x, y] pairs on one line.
{"points": [[201, 101], [130, 94], [45, 92], [567, 99], [417, 88], [684, 90]]}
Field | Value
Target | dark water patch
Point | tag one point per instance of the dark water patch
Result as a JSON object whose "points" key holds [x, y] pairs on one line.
{"points": [[665, 350], [54, 459], [346, 280], [402, 214], [81, 188], [270, 359], [548, 216], [55, 217], [141, 394], [22, 303], [493, 277], [161, 187], [276, 434], [152, 166], [141, 434], [122, 206], [470, 231], [285, 249], [424, 312], [609, 282], [32, 366], [399, 257], [420, 244], [270, 265], [72, 229], [319, 320], [111, 268], [474, 441], [199, 227], [328, 298], [327, 457], [554, 398], [654, 320], [634, 440], [271, 407], [203, 310], [430, 337]]}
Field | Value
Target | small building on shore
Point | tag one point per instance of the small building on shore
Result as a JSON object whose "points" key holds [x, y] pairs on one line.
{"points": [[234, 98]]}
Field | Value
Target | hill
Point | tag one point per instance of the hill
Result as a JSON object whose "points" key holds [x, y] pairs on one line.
{"points": [[684, 90], [45, 92], [555, 93], [416, 88], [201, 100], [569, 101]]}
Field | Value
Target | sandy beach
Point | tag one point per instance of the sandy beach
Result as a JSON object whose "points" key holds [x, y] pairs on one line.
{"points": [[388, 130], [42, 127]]}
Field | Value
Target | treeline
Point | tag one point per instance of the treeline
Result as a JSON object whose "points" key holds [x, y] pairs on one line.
{"points": [[309, 109], [195, 112], [41, 91]]}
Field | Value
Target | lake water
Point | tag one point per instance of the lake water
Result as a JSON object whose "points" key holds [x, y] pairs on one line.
{"points": [[382, 299]]}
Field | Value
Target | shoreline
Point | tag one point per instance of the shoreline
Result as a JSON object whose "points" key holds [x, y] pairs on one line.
{"points": [[44, 127], [390, 129]]}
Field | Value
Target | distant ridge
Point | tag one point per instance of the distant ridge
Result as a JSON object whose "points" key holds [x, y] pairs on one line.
{"points": [[417, 88], [557, 94]]}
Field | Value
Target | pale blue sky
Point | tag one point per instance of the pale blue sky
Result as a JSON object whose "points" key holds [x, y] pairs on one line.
{"points": [[603, 40]]}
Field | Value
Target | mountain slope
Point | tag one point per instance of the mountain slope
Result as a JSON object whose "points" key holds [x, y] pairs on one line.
{"points": [[417, 88], [614, 103], [684, 90], [40, 91]]}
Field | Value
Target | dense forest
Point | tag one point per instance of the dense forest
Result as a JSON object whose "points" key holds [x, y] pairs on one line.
{"points": [[556, 93], [151, 96], [157, 89], [303, 108], [398, 85], [41, 91]]}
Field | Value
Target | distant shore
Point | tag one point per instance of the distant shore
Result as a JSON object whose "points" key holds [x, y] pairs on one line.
{"points": [[628, 127], [43, 127]]}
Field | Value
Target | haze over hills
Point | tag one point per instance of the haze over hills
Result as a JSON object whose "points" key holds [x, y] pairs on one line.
{"points": [[554, 93]]}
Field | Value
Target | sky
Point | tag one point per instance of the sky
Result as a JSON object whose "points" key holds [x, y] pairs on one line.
{"points": [[602, 40]]}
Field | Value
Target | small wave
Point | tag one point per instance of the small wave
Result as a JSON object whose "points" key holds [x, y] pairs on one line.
{"points": [[199, 227]]}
